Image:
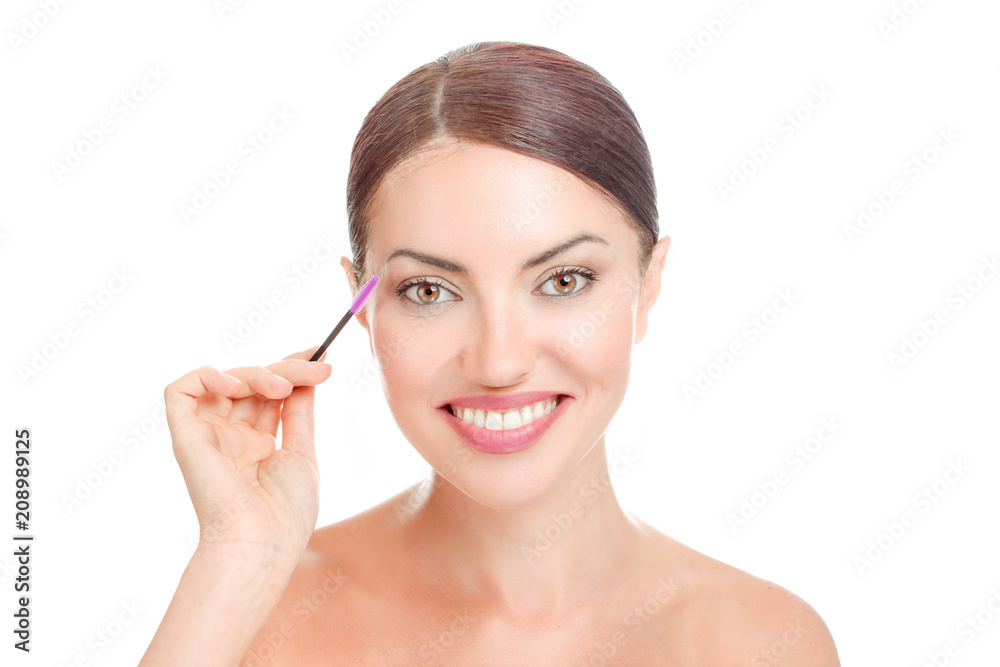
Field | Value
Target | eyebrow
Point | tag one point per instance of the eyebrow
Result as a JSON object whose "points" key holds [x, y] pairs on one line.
{"points": [[540, 258]]}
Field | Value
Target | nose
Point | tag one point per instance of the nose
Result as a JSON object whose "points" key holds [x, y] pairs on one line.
{"points": [[502, 345]]}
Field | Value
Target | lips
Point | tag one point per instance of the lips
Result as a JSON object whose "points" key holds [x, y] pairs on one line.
{"points": [[491, 441]]}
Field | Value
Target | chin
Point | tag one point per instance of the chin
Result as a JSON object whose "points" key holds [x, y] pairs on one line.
{"points": [[504, 483]]}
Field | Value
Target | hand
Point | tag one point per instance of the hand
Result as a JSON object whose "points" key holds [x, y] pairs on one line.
{"points": [[250, 498]]}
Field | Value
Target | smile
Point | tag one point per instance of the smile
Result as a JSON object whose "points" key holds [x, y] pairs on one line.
{"points": [[509, 431], [508, 420]]}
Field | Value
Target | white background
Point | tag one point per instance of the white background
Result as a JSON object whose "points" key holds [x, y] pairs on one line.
{"points": [[785, 228]]}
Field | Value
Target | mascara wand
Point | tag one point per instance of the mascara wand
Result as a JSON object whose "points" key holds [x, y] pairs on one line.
{"points": [[359, 303]]}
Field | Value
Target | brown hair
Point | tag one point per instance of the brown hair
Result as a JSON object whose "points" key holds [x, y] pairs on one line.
{"points": [[529, 99]]}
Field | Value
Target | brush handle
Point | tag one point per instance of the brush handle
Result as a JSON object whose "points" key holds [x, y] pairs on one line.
{"points": [[333, 334]]}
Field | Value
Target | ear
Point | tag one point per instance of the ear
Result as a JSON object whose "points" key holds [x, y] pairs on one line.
{"points": [[650, 287], [348, 267]]}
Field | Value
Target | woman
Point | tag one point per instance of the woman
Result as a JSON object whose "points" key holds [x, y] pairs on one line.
{"points": [[504, 195]]}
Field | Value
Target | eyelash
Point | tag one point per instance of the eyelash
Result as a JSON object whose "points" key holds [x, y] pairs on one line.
{"points": [[586, 273]]}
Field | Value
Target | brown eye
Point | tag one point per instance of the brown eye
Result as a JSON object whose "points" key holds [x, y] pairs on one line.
{"points": [[424, 293], [428, 293], [565, 283], [568, 283]]}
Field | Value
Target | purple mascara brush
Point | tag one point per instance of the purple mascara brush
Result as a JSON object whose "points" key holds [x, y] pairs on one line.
{"points": [[359, 303]]}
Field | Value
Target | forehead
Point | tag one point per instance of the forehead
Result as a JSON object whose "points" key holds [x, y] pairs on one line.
{"points": [[474, 201]]}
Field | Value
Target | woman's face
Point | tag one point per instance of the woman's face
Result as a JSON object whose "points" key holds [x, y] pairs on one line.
{"points": [[475, 299]]}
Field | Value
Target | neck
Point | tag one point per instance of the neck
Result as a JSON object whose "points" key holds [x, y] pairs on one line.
{"points": [[542, 560]]}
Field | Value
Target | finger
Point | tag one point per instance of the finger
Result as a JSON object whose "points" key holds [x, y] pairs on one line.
{"points": [[297, 419], [188, 396], [185, 396], [298, 423], [259, 380], [270, 417], [244, 447], [263, 413], [259, 388], [247, 410], [301, 372], [297, 368], [308, 353]]}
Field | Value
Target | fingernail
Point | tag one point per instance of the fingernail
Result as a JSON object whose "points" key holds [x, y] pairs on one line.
{"points": [[230, 377]]}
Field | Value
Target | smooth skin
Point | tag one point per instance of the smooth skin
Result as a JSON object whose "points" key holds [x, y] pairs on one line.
{"points": [[438, 574]]}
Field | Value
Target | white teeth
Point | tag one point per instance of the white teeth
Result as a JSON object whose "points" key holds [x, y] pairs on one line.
{"points": [[511, 420], [503, 421], [526, 415]]}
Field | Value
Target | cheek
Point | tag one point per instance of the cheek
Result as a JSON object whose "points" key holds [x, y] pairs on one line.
{"points": [[407, 351], [596, 336]]}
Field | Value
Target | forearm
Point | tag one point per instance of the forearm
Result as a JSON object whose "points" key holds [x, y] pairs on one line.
{"points": [[220, 605]]}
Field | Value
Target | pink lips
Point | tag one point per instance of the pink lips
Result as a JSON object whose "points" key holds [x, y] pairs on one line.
{"points": [[505, 442]]}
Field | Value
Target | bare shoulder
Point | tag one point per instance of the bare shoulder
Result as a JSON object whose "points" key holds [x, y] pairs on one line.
{"points": [[768, 624], [732, 617]]}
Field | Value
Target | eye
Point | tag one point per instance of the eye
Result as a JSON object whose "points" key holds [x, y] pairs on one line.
{"points": [[566, 283], [427, 294]]}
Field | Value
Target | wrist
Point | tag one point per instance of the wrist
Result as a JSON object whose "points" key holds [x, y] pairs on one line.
{"points": [[245, 559], [223, 599]]}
